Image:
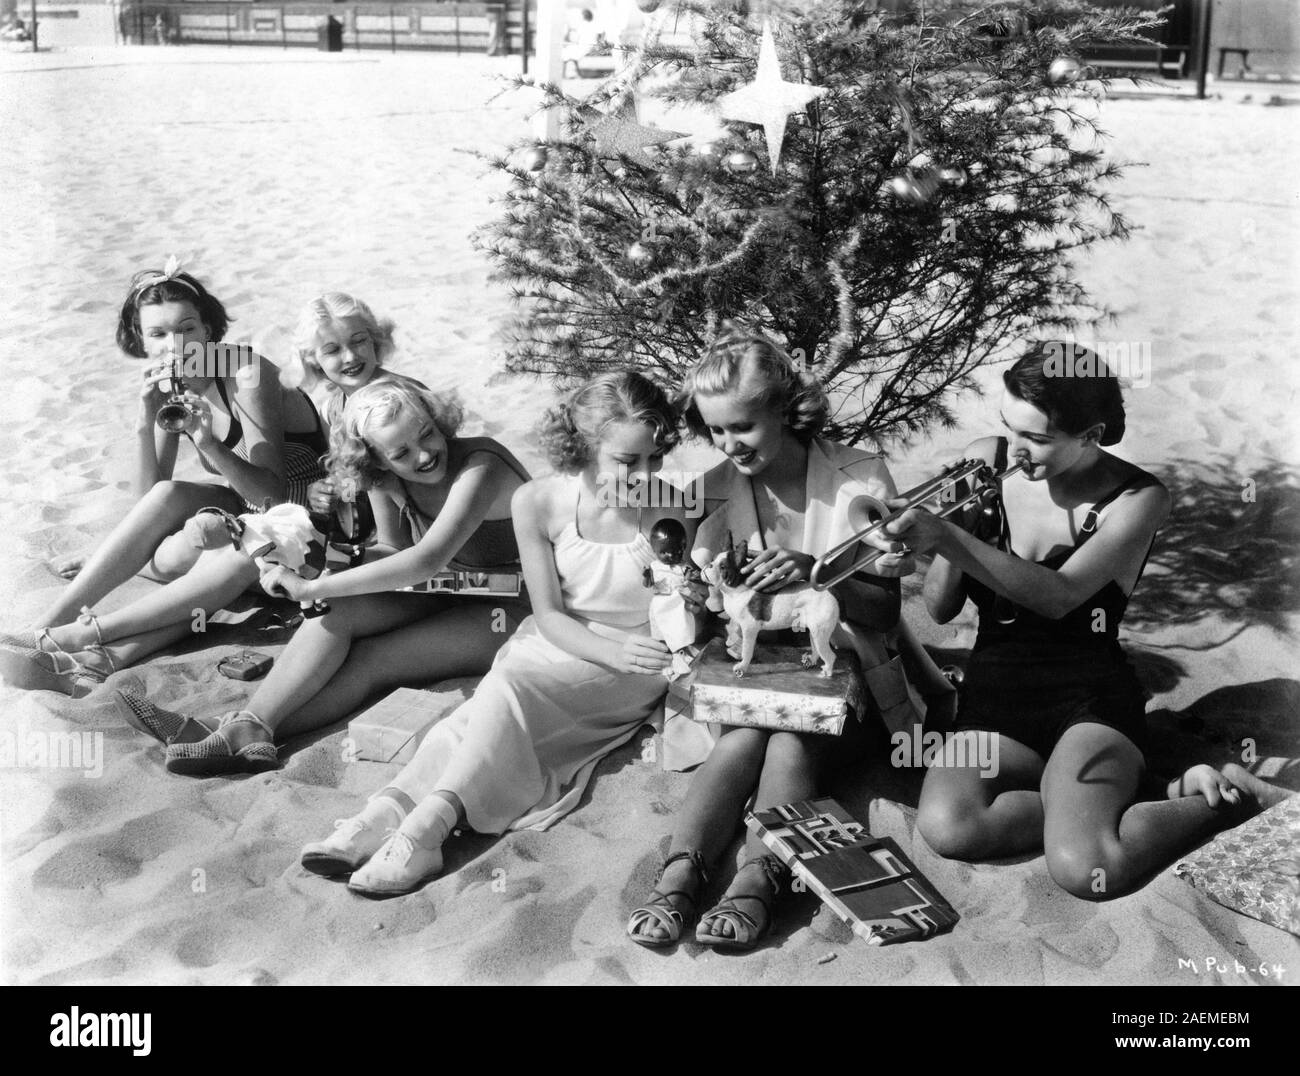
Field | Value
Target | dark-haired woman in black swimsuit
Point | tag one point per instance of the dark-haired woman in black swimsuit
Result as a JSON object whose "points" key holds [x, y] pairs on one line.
{"points": [[262, 440], [1048, 687]]}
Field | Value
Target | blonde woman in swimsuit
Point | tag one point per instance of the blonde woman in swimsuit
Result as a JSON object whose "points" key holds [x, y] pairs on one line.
{"points": [[443, 502]]}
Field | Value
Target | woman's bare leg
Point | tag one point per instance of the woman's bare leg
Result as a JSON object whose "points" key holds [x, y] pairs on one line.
{"points": [[458, 639], [217, 578], [1100, 844], [967, 812], [794, 768], [714, 801], [368, 645], [132, 544]]}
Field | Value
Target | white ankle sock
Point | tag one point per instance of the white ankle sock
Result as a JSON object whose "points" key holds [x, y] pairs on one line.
{"points": [[431, 822], [383, 813]]}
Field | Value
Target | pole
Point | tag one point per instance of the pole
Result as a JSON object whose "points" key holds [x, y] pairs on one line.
{"points": [[1203, 12], [34, 48], [523, 33], [228, 41], [392, 32], [455, 12], [551, 19], [284, 33]]}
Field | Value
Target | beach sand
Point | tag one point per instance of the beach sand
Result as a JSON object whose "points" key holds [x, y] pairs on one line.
{"points": [[281, 175]]}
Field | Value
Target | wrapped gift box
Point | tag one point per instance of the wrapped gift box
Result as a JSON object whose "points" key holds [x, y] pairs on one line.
{"points": [[392, 729], [776, 692], [1255, 868], [865, 880]]}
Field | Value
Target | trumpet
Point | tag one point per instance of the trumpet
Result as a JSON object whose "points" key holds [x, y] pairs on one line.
{"points": [[177, 414], [869, 514]]}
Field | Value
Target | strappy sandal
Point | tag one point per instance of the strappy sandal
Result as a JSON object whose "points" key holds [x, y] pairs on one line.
{"points": [[213, 755], [163, 725], [746, 932], [660, 911], [47, 666]]}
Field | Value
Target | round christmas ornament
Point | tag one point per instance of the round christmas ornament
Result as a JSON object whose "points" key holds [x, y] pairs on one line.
{"points": [[648, 5], [953, 175], [915, 187], [708, 153], [534, 160], [741, 163], [1063, 70], [640, 254]]}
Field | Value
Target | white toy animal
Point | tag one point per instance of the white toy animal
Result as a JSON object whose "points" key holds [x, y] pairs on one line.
{"points": [[799, 608]]}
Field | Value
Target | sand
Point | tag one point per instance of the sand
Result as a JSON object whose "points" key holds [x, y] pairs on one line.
{"points": [[284, 175]]}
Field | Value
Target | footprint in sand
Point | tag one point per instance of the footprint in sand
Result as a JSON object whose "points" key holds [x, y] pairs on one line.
{"points": [[77, 455], [93, 862]]}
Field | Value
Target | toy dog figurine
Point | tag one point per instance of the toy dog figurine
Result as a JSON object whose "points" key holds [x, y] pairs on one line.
{"points": [[798, 607]]}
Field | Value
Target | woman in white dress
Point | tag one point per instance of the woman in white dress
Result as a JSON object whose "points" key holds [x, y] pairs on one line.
{"points": [[576, 680]]}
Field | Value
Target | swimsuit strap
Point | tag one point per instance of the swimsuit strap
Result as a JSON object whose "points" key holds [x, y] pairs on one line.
{"points": [[236, 432], [504, 459], [1089, 526]]}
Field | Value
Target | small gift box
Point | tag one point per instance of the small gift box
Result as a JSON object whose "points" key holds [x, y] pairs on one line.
{"points": [[865, 880], [392, 729], [776, 692]]}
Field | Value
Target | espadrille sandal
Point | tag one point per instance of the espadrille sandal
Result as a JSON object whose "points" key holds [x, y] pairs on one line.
{"points": [[213, 755], [164, 725]]}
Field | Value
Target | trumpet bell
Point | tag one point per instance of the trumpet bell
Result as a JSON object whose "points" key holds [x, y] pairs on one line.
{"points": [[864, 510]]}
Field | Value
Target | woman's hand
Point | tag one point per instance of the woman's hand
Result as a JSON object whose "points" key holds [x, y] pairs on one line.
{"points": [[200, 428], [642, 654], [775, 567], [919, 531], [895, 564], [322, 497], [151, 396], [280, 582]]}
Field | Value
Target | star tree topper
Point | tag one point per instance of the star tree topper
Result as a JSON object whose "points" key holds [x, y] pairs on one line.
{"points": [[769, 99]]}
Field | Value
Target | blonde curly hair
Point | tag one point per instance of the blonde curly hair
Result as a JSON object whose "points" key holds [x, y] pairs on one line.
{"points": [[330, 308], [571, 431], [738, 350], [352, 463]]}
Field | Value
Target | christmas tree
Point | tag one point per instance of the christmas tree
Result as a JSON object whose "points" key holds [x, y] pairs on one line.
{"points": [[900, 196]]}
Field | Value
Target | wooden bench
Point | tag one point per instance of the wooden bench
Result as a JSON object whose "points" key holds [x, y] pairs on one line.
{"points": [[1121, 59]]}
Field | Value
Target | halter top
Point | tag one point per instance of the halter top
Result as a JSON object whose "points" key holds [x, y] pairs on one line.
{"points": [[602, 582]]}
